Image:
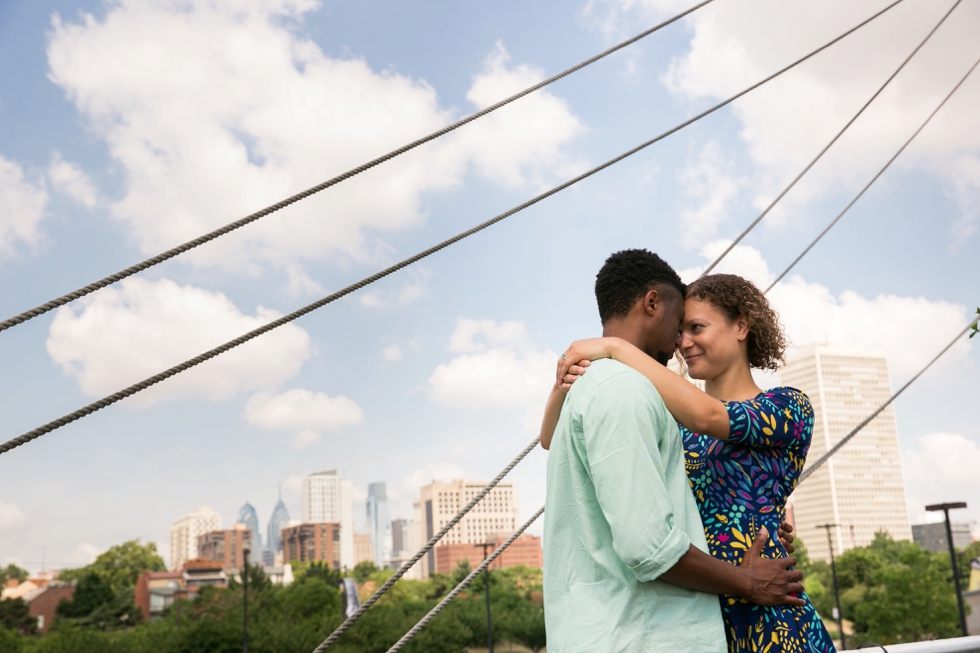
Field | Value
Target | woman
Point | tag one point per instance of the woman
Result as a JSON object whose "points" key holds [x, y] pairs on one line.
{"points": [[744, 448]]}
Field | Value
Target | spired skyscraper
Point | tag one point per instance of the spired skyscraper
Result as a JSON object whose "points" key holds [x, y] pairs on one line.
{"points": [[378, 524], [248, 516], [860, 489], [278, 521]]}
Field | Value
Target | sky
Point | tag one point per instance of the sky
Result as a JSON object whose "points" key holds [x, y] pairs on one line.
{"points": [[130, 126]]}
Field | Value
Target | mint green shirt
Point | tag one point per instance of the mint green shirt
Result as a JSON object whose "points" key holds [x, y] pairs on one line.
{"points": [[619, 513]]}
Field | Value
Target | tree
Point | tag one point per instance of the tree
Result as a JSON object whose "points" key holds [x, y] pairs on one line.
{"points": [[976, 327], [526, 627], [12, 571], [15, 615], [120, 566], [363, 570]]}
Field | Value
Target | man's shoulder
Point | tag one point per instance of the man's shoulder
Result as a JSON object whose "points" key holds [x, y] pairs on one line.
{"points": [[608, 377]]}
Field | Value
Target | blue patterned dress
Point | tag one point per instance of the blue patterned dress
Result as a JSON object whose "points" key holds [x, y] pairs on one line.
{"points": [[741, 484]]}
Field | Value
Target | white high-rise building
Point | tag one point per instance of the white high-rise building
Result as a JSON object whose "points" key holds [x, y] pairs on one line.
{"points": [[378, 524], [438, 503], [860, 489], [186, 530], [327, 498]]}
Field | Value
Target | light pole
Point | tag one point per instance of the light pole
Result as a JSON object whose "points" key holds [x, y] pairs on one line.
{"points": [[833, 571], [245, 551], [945, 508], [486, 581]]}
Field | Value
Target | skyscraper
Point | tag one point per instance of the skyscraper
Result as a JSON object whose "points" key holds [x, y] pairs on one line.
{"points": [[186, 530], [379, 528], [860, 489], [399, 537], [327, 498], [248, 516], [278, 521]]}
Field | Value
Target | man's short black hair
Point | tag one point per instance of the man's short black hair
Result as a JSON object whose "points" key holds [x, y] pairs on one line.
{"points": [[627, 276]]}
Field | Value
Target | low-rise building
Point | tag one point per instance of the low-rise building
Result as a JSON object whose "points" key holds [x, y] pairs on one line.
{"points": [[363, 548], [525, 550], [226, 547], [312, 542], [199, 573], [156, 591], [932, 537], [42, 602]]}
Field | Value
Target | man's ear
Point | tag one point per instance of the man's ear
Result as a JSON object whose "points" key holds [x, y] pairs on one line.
{"points": [[650, 302]]}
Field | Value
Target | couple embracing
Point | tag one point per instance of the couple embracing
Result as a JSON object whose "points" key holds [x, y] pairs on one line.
{"points": [[664, 503]]}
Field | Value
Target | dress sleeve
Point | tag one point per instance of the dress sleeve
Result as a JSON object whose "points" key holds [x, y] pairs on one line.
{"points": [[781, 418]]}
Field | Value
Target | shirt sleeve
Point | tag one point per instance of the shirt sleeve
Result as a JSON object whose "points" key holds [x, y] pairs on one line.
{"points": [[778, 419], [622, 429]]}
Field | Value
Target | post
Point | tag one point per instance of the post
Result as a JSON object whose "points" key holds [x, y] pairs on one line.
{"points": [[945, 508], [486, 581], [833, 572], [245, 552]]}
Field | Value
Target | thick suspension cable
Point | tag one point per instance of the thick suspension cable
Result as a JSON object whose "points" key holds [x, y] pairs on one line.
{"points": [[228, 228], [421, 552], [873, 179], [824, 458], [463, 585], [819, 156], [286, 319]]}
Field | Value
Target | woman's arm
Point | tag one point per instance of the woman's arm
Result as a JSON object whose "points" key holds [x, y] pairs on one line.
{"points": [[690, 406], [552, 411]]}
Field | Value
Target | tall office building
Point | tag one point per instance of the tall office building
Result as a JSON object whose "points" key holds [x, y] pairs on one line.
{"points": [[248, 516], [860, 489], [274, 544], [327, 498], [378, 525], [186, 530], [498, 512], [399, 536]]}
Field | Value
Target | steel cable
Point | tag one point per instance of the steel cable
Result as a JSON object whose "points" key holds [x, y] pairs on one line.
{"points": [[197, 360], [425, 549], [228, 228], [459, 588], [812, 163], [824, 458], [873, 179]]}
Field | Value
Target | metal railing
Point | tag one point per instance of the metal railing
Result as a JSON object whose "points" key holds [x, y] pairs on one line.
{"points": [[954, 645]]}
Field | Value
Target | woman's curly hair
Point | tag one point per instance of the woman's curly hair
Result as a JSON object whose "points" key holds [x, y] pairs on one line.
{"points": [[735, 296]]}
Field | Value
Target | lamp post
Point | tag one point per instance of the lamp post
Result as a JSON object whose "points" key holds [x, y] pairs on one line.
{"points": [[833, 571], [486, 581], [945, 508], [246, 549]]}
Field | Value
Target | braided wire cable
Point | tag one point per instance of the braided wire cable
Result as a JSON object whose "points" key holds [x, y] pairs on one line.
{"points": [[197, 360], [873, 179], [820, 154], [459, 588], [228, 228], [824, 458], [425, 549]]}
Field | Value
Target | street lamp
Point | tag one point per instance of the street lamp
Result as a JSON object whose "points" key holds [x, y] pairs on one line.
{"points": [[833, 570], [246, 549], [945, 508], [486, 581]]}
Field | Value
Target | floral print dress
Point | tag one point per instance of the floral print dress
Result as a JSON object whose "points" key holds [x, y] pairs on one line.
{"points": [[741, 484]]}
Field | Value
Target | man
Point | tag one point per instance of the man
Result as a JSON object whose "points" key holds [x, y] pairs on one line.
{"points": [[626, 568]]}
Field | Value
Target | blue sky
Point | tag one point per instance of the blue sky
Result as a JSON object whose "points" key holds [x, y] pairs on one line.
{"points": [[131, 126]]}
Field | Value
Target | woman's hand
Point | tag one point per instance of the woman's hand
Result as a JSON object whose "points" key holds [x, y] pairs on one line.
{"points": [[579, 355]]}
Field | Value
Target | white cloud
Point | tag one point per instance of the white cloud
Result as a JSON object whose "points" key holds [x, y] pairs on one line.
{"points": [[302, 410], [444, 471], [84, 554], [499, 366], [709, 182], [392, 353], [69, 179], [943, 467], [786, 122], [139, 328], [908, 330], [299, 284], [12, 519], [411, 290], [22, 204], [247, 111]]}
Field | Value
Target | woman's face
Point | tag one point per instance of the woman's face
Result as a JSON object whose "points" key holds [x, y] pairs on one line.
{"points": [[709, 342]]}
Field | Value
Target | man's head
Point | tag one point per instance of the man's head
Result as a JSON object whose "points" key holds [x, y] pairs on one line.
{"points": [[641, 299]]}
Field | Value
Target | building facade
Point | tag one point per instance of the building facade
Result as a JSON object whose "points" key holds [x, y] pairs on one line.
{"points": [[438, 503], [225, 547], [186, 530], [860, 489], [932, 537], [250, 518], [312, 542], [525, 550], [400, 538], [378, 525], [327, 499]]}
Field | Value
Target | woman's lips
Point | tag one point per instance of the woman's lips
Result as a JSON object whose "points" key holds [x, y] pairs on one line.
{"points": [[690, 359]]}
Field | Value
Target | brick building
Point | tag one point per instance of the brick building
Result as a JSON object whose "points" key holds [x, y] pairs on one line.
{"points": [[225, 546], [41, 603], [312, 542], [525, 550]]}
